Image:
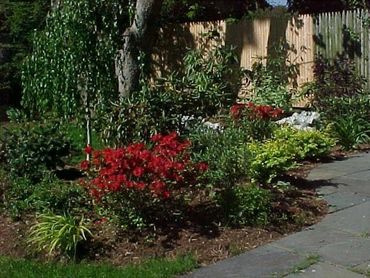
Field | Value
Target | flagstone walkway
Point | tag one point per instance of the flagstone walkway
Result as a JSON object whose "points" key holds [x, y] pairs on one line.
{"points": [[337, 247]]}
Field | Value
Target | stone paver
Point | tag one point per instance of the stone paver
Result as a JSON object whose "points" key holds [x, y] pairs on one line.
{"points": [[341, 239], [325, 270], [258, 263]]}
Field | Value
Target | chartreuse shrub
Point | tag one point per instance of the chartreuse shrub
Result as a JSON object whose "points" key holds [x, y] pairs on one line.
{"points": [[307, 143], [142, 185], [270, 159], [282, 152], [32, 149], [60, 233]]}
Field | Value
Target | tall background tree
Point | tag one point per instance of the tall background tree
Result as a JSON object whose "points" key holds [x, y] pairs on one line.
{"points": [[318, 6]]}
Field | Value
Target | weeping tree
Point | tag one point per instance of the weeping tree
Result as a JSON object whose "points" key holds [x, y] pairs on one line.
{"points": [[73, 59], [87, 57], [83, 48]]}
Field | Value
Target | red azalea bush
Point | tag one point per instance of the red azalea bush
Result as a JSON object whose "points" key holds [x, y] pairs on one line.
{"points": [[146, 174], [158, 168], [252, 111], [256, 120]]}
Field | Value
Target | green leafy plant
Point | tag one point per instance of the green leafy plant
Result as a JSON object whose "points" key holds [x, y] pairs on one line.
{"points": [[59, 232], [50, 194], [270, 80], [336, 82], [206, 85], [248, 205], [32, 149], [225, 152], [351, 131], [307, 143], [72, 66], [270, 159]]}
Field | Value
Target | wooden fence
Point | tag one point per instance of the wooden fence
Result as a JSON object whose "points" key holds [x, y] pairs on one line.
{"points": [[326, 33], [347, 32]]}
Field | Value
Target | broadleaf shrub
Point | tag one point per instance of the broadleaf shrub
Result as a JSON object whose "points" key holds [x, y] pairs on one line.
{"points": [[282, 152], [225, 152], [246, 205], [50, 194], [143, 177], [32, 149], [270, 159], [270, 80], [206, 85], [336, 82]]}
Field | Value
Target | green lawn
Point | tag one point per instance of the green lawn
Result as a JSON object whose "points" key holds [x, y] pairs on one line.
{"points": [[156, 268]]}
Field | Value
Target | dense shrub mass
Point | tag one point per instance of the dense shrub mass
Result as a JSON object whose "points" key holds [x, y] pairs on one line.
{"points": [[32, 149], [161, 164], [246, 205], [206, 86], [225, 152]]}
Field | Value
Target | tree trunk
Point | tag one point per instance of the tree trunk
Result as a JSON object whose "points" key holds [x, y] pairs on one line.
{"points": [[139, 37]]}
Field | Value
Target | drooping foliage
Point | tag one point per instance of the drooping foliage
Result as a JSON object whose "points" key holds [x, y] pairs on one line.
{"points": [[74, 59]]}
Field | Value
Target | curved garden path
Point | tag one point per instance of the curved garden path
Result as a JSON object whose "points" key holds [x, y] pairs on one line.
{"points": [[338, 246]]}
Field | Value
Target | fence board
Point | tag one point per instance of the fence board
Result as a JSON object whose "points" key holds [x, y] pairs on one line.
{"points": [[331, 27], [308, 34]]}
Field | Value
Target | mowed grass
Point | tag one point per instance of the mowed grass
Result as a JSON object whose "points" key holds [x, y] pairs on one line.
{"points": [[155, 268]]}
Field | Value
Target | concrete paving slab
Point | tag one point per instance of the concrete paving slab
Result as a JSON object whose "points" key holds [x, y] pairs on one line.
{"points": [[310, 241], [349, 254], [361, 175], [342, 200], [355, 219], [325, 174], [347, 184], [325, 270], [258, 263]]}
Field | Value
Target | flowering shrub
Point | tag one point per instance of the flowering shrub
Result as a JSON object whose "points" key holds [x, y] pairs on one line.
{"points": [[252, 111], [143, 175], [256, 120], [166, 163]]}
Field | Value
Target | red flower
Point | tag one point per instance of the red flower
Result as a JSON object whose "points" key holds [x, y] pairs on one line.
{"points": [[84, 165], [159, 167], [203, 166], [236, 109], [166, 194], [88, 149], [138, 172]]}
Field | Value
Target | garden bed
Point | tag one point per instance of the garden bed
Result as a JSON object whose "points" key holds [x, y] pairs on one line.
{"points": [[207, 241]]}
